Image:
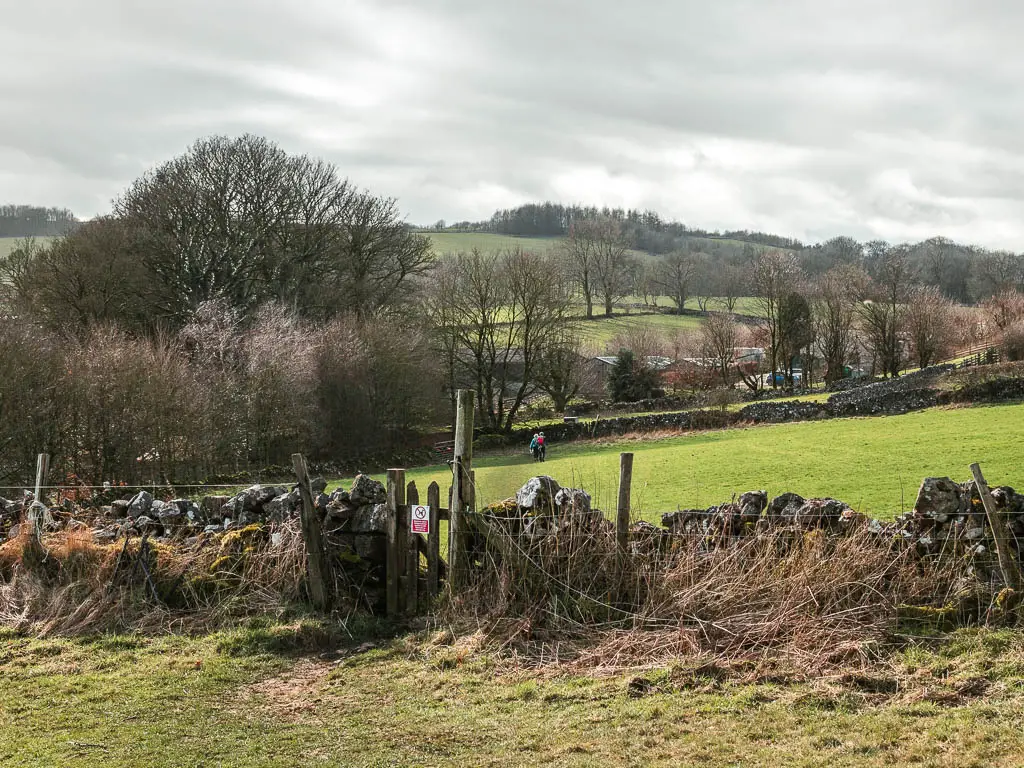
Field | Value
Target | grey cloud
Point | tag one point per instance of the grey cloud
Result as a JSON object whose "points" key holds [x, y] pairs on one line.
{"points": [[806, 117]]}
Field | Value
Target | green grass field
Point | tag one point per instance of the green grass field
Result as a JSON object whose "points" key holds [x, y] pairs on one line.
{"points": [[875, 464], [454, 242], [600, 331], [8, 244], [262, 696]]}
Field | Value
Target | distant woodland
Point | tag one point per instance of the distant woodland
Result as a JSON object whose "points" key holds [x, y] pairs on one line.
{"points": [[35, 221]]}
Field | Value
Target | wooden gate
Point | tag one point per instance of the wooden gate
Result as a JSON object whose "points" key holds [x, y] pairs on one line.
{"points": [[415, 568]]}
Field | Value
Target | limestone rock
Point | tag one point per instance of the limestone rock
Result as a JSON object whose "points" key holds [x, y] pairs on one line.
{"points": [[366, 490], [212, 506], [140, 504], [752, 504], [538, 494], [572, 501], [370, 519], [938, 499], [785, 505]]}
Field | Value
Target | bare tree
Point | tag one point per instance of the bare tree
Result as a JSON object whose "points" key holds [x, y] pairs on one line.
{"points": [[644, 285], [611, 261], [560, 368], [774, 273], [946, 265], [995, 271], [93, 276], [240, 218], [676, 273], [706, 282], [579, 254], [378, 259], [749, 363], [733, 283], [1004, 308], [796, 334], [497, 315], [893, 277], [844, 250], [719, 334], [879, 325], [836, 298], [929, 324]]}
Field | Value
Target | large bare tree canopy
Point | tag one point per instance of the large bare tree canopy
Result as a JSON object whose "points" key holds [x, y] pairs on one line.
{"points": [[498, 319], [239, 219]]}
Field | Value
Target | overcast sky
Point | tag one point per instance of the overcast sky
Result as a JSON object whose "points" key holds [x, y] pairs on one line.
{"points": [[899, 119]]}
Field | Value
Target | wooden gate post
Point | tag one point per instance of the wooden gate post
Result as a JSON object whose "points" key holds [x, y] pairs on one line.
{"points": [[1007, 563], [462, 490], [434, 540], [622, 511], [317, 564], [396, 541], [412, 563]]}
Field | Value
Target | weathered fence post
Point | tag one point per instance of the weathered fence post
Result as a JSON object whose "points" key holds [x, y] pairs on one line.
{"points": [[412, 563], [37, 512], [622, 511], [317, 564], [462, 491], [36, 515], [1007, 563], [396, 553], [434, 540]]}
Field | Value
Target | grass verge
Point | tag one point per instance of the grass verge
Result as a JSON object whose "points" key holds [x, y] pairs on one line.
{"points": [[227, 700]]}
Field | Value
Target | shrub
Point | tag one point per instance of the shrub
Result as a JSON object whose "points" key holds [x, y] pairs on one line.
{"points": [[1012, 343], [220, 396]]}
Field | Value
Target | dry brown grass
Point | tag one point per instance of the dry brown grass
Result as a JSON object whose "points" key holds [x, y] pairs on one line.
{"points": [[80, 585], [800, 600]]}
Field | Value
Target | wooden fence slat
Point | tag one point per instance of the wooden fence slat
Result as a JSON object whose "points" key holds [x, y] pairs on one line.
{"points": [[622, 512], [412, 554], [1007, 562], [462, 466], [434, 541], [396, 498], [317, 563]]}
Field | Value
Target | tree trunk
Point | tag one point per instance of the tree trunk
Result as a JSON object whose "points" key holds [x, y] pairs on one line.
{"points": [[560, 400]]}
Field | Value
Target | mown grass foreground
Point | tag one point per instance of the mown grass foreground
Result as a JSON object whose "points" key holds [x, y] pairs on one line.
{"points": [[244, 698], [875, 464]]}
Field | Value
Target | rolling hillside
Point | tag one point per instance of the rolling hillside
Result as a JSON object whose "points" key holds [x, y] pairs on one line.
{"points": [[8, 244]]}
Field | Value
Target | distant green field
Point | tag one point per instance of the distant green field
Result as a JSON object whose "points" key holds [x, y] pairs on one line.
{"points": [[8, 244], [601, 330], [745, 305], [454, 242], [875, 464]]}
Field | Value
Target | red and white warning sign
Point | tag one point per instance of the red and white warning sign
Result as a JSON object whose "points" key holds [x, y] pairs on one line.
{"points": [[419, 519]]}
